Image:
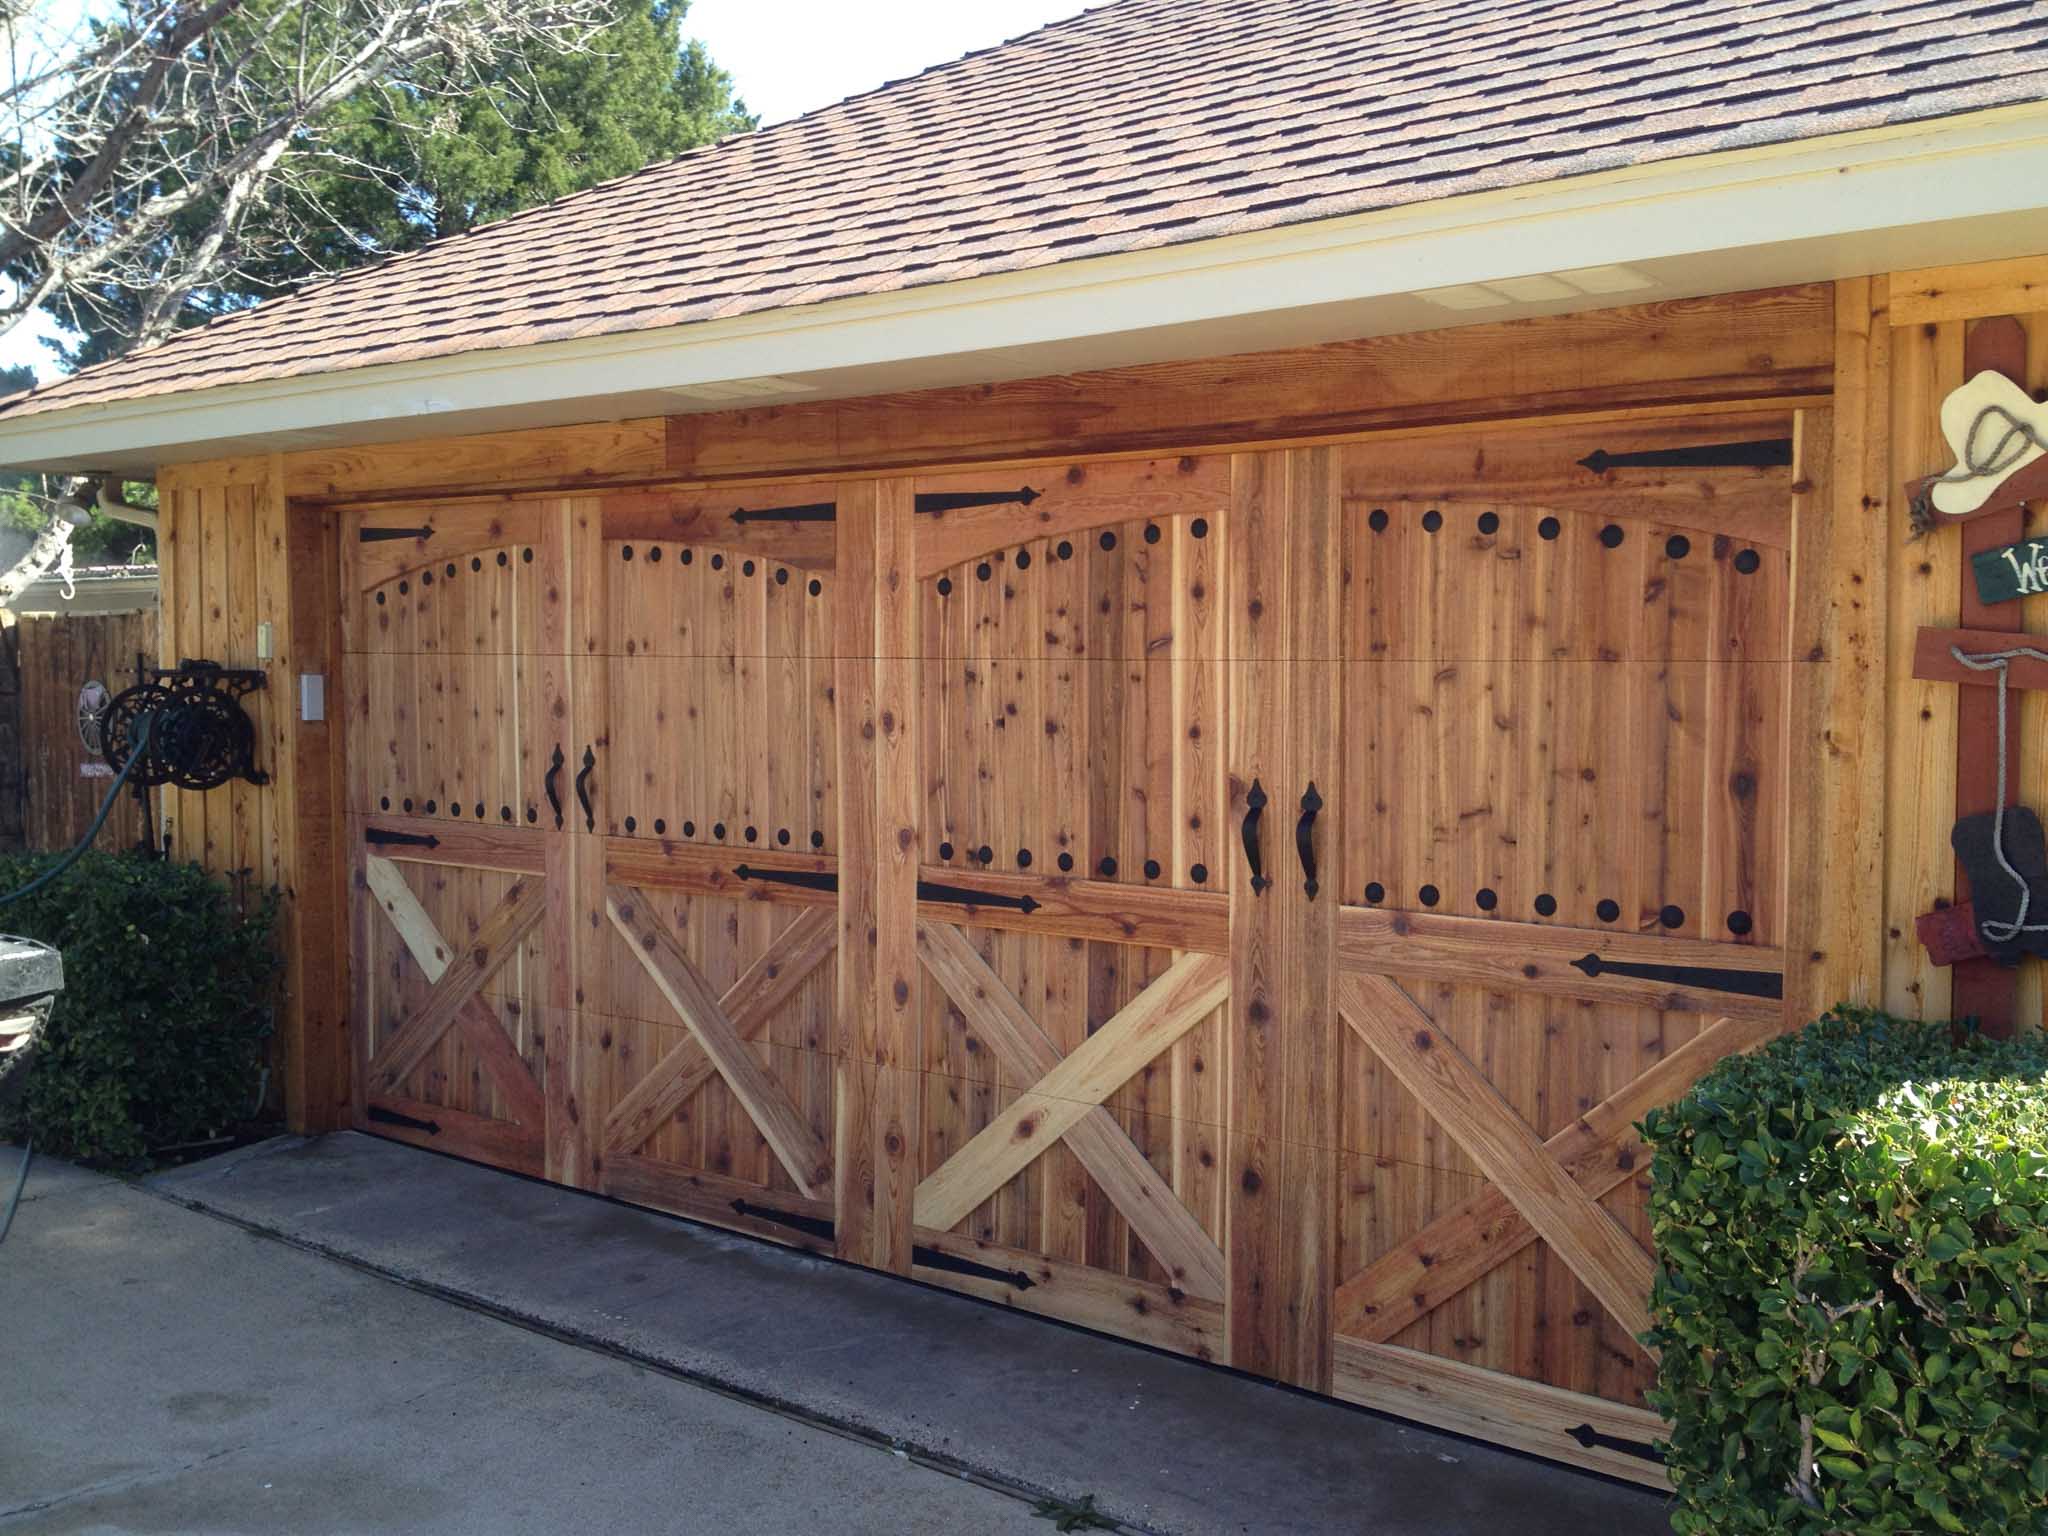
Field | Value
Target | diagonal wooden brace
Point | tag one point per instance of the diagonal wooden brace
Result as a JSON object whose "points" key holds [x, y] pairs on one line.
{"points": [[1192, 988], [749, 1002], [1599, 1150], [1606, 1258], [1167, 1228], [457, 975], [788, 1134]]}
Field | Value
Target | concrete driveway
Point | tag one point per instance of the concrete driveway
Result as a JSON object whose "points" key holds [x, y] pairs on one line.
{"points": [[170, 1372], [346, 1334]]}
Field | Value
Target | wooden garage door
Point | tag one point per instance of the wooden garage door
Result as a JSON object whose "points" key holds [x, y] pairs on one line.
{"points": [[451, 685], [1562, 706], [1240, 902]]}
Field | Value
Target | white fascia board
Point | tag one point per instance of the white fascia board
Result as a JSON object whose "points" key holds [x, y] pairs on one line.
{"points": [[1962, 188]]}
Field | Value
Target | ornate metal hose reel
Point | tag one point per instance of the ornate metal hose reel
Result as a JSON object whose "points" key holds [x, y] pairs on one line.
{"points": [[201, 739]]}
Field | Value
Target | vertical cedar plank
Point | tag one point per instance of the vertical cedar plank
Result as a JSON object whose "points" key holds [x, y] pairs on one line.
{"points": [[1841, 560], [1311, 1033], [1984, 989], [1263, 923], [569, 637], [876, 675], [308, 817]]}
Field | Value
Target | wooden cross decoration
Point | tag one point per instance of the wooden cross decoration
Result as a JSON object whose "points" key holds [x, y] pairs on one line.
{"points": [[799, 1149], [1065, 1101], [456, 976]]}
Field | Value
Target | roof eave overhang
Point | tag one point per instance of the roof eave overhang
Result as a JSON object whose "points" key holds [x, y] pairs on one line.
{"points": [[1966, 188]]}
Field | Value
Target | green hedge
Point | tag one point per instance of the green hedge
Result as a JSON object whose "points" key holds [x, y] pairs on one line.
{"points": [[157, 1040], [1853, 1228]]}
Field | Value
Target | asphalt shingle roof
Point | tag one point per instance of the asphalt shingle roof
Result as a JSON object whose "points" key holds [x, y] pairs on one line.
{"points": [[1138, 124]]}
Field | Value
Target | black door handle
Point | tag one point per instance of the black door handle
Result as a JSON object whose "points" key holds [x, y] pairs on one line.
{"points": [[1305, 837], [583, 790], [1254, 808], [552, 783]]}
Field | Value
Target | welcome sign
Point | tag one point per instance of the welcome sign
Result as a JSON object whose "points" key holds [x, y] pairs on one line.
{"points": [[2017, 570]]}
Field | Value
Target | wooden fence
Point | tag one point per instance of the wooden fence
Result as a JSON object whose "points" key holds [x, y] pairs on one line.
{"points": [[60, 781]]}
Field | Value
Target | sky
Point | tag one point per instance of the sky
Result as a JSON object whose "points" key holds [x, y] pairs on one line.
{"points": [[787, 57]]}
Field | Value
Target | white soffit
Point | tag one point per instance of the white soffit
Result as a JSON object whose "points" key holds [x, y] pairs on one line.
{"points": [[1969, 188]]}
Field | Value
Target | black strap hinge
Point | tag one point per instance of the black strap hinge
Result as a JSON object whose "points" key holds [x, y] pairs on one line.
{"points": [[381, 838], [382, 1116], [1765, 453], [391, 535], [1697, 978], [809, 512], [1589, 1437], [941, 502], [928, 890]]}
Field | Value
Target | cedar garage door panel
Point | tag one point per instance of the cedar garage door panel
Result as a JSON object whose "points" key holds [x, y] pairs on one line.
{"points": [[1550, 706]]}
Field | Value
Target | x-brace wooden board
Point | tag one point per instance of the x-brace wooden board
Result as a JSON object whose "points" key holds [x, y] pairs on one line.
{"points": [[456, 976], [749, 1002], [1190, 989], [1167, 1228], [1600, 1150], [781, 1124], [1558, 1208]]}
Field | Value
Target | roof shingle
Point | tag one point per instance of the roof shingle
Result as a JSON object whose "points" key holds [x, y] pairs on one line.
{"points": [[1138, 124]]}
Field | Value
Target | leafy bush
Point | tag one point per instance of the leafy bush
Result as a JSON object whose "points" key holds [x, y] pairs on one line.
{"points": [[1853, 1224], [157, 1038]]}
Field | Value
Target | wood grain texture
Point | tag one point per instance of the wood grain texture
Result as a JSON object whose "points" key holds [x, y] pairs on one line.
{"points": [[1460, 1097], [803, 1156], [1133, 1185], [1734, 347], [1191, 988]]}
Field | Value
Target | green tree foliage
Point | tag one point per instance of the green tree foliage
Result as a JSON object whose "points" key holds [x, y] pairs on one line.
{"points": [[399, 164], [1853, 1226]]}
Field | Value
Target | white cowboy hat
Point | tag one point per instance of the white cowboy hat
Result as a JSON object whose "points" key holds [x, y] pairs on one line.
{"points": [[1995, 430]]}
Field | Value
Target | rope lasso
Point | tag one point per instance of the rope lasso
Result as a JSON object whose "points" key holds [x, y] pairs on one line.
{"points": [[2004, 456], [1996, 931]]}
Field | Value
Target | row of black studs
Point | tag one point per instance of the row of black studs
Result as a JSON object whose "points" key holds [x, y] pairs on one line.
{"points": [[1608, 910], [476, 563], [783, 836], [1064, 550], [1677, 547], [747, 567], [1105, 866], [433, 808]]}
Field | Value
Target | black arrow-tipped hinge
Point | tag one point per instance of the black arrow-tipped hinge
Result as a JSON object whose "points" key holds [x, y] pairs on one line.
{"points": [[1765, 453], [815, 880], [1696, 978], [938, 503], [808, 512], [377, 1114], [1589, 1437], [382, 838], [928, 890], [392, 535]]}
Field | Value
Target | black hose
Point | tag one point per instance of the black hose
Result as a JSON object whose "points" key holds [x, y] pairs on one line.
{"points": [[145, 725]]}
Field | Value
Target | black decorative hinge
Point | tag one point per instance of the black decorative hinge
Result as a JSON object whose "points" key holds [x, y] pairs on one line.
{"points": [[1589, 1437], [928, 890], [391, 535], [932, 1258], [1697, 978], [941, 502], [821, 1228], [811, 1226], [381, 837], [1765, 453], [814, 880], [383, 1116], [809, 512]]}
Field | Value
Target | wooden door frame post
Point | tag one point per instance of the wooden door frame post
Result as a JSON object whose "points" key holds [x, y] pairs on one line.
{"points": [[875, 684], [312, 824], [1281, 1193]]}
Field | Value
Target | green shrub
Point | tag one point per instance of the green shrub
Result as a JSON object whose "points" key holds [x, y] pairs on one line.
{"points": [[1853, 1228], [157, 1039]]}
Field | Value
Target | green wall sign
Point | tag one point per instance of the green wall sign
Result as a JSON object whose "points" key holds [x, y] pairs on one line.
{"points": [[2017, 570]]}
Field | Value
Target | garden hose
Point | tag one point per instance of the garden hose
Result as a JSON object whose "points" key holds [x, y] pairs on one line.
{"points": [[143, 728]]}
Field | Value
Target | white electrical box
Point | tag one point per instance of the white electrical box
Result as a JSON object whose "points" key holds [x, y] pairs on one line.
{"points": [[266, 641], [312, 696]]}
